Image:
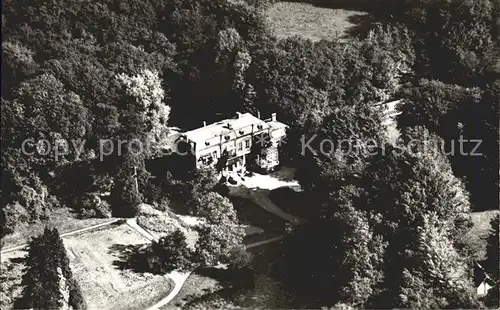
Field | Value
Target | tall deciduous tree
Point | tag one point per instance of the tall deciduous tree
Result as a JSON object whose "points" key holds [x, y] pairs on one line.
{"points": [[385, 202], [492, 262], [145, 90], [215, 209], [466, 118], [45, 109], [437, 277], [215, 242]]}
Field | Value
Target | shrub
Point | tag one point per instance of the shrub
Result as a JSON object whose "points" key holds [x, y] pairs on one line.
{"points": [[153, 193], [76, 300], [103, 183], [14, 214], [91, 205], [169, 253], [163, 205], [34, 202], [157, 222], [239, 269], [239, 258]]}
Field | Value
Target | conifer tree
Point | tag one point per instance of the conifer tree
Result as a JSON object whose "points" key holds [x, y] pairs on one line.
{"points": [[49, 274]]}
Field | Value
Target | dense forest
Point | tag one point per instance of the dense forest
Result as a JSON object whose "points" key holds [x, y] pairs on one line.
{"points": [[382, 230]]}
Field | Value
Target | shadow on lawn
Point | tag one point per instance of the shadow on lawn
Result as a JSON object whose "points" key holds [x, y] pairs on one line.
{"points": [[293, 202], [359, 5], [226, 294], [252, 214], [363, 23], [234, 283], [135, 257], [221, 275]]}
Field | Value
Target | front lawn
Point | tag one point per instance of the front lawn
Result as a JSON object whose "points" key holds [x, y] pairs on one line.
{"points": [[291, 201], [249, 213]]}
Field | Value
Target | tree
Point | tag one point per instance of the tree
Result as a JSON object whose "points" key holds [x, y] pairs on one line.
{"points": [[492, 248], [452, 38], [45, 109], [215, 209], [368, 219], [417, 178], [143, 124], [125, 195], [438, 277], [203, 181], [432, 104], [362, 266], [41, 280], [339, 150], [49, 274], [215, 243], [492, 263], [18, 64], [194, 185], [146, 90], [240, 268], [419, 184], [347, 264], [170, 252], [13, 215]]}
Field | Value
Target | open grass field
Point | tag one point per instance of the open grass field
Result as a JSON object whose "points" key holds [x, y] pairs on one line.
{"points": [[98, 263], [309, 21], [97, 259]]}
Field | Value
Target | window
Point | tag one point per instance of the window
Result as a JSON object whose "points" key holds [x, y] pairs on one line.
{"points": [[206, 159], [240, 146], [247, 143]]}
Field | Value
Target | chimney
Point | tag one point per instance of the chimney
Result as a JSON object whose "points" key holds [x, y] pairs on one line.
{"points": [[204, 123], [238, 114], [258, 114], [273, 117]]}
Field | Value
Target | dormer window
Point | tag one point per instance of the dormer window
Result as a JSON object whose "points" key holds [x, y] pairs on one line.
{"points": [[259, 126], [207, 143], [227, 137], [241, 132]]}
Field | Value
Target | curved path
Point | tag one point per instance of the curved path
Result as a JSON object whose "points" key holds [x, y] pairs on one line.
{"points": [[180, 277]]}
